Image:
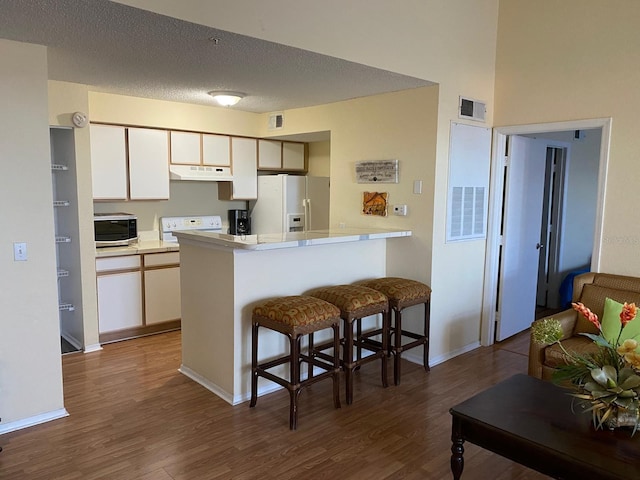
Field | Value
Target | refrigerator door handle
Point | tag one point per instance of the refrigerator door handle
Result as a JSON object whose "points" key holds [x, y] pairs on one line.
{"points": [[307, 213]]}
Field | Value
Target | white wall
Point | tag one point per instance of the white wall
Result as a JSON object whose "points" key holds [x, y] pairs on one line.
{"points": [[30, 360]]}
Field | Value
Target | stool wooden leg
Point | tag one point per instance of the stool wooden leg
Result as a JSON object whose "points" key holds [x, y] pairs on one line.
{"points": [[294, 390], [386, 328], [427, 325], [347, 360], [254, 364], [311, 356], [336, 365], [359, 342], [397, 348]]}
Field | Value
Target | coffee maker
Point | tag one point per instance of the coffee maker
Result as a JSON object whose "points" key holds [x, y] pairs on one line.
{"points": [[239, 222]]}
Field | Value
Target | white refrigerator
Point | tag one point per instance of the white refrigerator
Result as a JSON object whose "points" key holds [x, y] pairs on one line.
{"points": [[290, 203]]}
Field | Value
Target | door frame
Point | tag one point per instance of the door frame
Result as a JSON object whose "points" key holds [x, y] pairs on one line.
{"points": [[496, 188]]}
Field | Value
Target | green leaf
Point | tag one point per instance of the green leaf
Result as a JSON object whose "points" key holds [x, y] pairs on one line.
{"points": [[598, 339], [606, 376], [627, 394], [628, 382]]}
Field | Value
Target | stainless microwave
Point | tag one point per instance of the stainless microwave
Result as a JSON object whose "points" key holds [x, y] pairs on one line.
{"points": [[115, 229]]}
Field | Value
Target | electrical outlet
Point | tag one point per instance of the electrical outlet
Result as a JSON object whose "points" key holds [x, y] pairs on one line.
{"points": [[400, 210], [20, 252]]}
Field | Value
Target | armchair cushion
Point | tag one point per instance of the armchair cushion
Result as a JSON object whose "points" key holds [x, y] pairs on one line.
{"points": [[594, 296], [579, 344]]}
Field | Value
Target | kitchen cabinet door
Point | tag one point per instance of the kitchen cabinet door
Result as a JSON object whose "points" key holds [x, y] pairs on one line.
{"points": [[185, 148], [216, 150], [119, 301], [269, 154], [108, 162], [292, 156], [148, 164], [244, 165], [162, 295]]}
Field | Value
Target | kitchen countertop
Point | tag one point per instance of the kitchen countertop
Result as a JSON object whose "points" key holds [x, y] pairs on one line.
{"points": [[274, 241], [145, 246]]}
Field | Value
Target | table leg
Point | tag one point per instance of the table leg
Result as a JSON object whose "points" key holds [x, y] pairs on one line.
{"points": [[457, 449]]}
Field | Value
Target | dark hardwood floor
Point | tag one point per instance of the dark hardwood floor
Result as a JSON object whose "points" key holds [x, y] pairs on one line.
{"points": [[134, 416]]}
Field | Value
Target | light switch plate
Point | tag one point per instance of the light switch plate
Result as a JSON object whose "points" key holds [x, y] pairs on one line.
{"points": [[20, 251]]}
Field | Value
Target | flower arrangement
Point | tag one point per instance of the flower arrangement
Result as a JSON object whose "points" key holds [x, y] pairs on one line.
{"points": [[608, 381]]}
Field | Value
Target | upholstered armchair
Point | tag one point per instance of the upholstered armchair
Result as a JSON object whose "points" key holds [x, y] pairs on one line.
{"points": [[591, 289]]}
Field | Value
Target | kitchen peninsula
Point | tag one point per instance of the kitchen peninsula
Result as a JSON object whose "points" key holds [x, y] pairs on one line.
{"points": [[223, 277]]}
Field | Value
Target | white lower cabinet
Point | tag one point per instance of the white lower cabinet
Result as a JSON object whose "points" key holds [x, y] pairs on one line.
{"points": [[138, 295], [161, 288], [119, 301]]}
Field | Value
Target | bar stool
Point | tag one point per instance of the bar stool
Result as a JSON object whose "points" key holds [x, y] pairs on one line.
{"points": [[296, 316], [356, 302], [403, 293]]}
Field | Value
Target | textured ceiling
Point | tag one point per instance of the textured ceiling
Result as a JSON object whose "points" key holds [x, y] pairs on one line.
{"points": [[121, 49]]}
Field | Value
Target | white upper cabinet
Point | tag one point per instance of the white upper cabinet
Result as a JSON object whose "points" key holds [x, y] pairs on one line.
{"points": [[292, 156], [216, 150], [270, 154], [108, 162], [244, 161], [148, 164], [185, 148]]}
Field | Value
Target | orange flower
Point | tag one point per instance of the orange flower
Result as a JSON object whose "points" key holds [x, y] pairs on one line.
{"points": [[586, 313], [628, 313]]}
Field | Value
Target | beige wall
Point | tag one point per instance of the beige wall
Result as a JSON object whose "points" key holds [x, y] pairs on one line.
{"points": [[577, 59], [30, 361], [320, 159], [145, 112]]}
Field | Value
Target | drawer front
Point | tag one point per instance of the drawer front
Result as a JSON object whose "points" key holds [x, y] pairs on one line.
{"points": [[156, 259], [117, 263]]}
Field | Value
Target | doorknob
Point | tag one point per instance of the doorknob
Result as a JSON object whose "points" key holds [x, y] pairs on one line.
{"points": [[539, 246]]}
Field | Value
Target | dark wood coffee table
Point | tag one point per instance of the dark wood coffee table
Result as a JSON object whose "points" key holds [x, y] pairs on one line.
{"points": [[531, 422]]}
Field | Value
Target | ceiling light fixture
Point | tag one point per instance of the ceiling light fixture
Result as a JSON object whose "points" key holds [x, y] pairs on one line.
{"points": [[227, 99]]}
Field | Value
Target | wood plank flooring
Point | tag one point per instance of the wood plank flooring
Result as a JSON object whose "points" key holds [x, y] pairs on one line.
{"points": [[134, 416]]}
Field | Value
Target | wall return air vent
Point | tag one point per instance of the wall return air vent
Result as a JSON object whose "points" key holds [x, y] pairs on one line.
{"points": [[276, 121], [472, 109]]}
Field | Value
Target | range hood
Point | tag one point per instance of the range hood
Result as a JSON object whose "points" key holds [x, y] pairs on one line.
{"points": [[200, 173]]}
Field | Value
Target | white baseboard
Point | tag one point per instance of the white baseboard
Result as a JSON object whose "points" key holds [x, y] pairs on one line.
{"points": [[413, 356], [71, 339], [31, 421], [92, 348], [222, 393], [212, 387]]}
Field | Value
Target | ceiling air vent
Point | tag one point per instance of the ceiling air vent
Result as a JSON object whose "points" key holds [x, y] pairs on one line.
{"points": [[276, 121], [472, 109]]}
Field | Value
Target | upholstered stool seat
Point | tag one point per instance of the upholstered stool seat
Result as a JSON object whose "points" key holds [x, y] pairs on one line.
{"points": [[403, 293], [296, 316], [356, 302]]}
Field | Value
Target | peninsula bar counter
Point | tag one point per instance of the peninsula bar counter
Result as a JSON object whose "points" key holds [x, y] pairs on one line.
{"points": [[223, 277]]}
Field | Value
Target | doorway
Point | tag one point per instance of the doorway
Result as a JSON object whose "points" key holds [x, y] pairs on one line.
{"points": [[497, 282]]}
